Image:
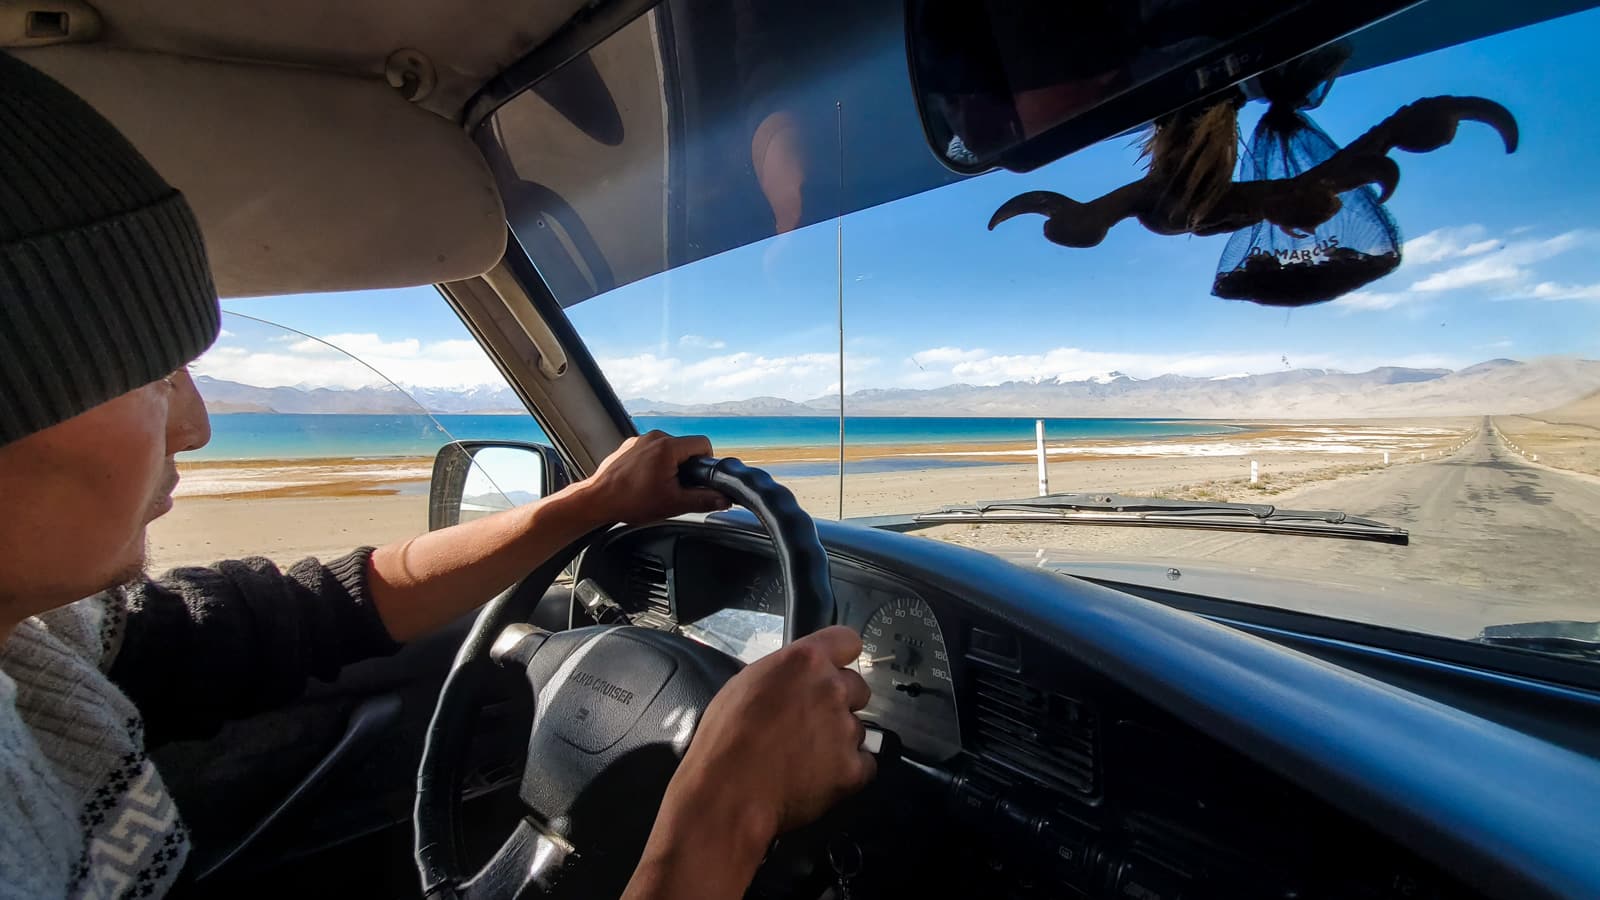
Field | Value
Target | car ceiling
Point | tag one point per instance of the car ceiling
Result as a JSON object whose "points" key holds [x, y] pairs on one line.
{"points": [[307, 169], [468, 43]]}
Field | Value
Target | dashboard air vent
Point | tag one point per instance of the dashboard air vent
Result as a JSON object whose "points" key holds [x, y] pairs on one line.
{"points": [[647, 587], [1046, 736]]}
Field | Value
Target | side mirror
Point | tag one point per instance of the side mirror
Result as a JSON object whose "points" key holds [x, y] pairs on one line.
{"points": [[473, 479]]}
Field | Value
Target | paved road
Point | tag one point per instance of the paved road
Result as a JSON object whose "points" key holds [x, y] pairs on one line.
{"points": [[1523, 540]]}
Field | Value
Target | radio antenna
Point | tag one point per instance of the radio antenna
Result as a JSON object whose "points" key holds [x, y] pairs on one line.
{"points": [[838, 264]]}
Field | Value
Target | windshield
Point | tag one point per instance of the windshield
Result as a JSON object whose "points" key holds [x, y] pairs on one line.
{"points": [[698, 244]]}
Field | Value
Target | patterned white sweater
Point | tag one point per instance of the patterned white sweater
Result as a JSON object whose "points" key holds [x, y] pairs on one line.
{"points": [[83, 812]]}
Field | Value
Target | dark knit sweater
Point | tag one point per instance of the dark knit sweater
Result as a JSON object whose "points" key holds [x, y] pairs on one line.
{"points": [[84, 813], [204, 645]]}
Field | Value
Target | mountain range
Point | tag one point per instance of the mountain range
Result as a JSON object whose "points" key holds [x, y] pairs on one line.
{"points": [[1495, 387]]}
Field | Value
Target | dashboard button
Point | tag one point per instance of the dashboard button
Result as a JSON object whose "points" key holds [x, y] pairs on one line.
{"points": [[1068, 853], [1140, 879], [1014, 821], [974, 801]]}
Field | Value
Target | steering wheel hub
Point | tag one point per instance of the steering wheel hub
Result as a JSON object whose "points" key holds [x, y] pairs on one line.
{"points": [[616, 708], [595, 696]]}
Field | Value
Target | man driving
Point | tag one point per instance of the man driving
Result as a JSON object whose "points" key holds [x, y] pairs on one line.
{"points": [[105, 296]]}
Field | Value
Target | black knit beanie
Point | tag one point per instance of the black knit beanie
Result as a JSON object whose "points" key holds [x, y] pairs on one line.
{"points": [[104, 285]]}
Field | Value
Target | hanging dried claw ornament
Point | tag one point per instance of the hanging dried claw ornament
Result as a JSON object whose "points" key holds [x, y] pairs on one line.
{"points": [[1180, 193], [1190, 158]]}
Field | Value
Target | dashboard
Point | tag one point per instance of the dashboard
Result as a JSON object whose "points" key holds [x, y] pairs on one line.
{"points": [[904, 657], [1028, 770]]}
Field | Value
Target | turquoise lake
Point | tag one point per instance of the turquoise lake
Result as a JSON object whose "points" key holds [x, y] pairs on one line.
{"points": [[280, 436]]}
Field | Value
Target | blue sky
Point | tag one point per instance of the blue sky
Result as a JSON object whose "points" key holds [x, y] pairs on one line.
{"points": [[1502, 259]]}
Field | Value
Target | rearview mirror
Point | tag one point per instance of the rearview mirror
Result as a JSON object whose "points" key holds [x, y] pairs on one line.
{"points": [[473, 479], [1021, 83]]}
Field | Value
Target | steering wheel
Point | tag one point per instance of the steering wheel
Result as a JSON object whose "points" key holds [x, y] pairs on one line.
{"points": [[615, 709]]}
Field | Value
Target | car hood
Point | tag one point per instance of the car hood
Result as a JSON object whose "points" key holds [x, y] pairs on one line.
{"points": [[1443, 610]]}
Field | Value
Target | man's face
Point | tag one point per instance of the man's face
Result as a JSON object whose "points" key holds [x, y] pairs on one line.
{"points": [[78, 495]]}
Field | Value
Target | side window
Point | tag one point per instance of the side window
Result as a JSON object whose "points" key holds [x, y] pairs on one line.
{"points": [[326, 415]]}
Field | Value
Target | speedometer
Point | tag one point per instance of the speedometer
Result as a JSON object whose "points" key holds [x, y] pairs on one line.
{"points": [[764, 594], [902, 644], [905, 662]]}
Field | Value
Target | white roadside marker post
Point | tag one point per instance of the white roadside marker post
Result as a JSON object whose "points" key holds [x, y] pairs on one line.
{"points": [[1044, 473], [1386, 457], [1255, 471]]}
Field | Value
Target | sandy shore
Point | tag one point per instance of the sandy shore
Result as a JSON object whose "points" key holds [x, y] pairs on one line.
{"points": [[287, 509], [1293, 444], [263, 479]]}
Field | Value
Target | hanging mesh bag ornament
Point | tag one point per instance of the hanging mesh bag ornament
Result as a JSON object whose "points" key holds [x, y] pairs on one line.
{"points": [[1358, 245]]}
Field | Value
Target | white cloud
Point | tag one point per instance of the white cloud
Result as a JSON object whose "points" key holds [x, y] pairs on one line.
{"points": [[981, 367], [1506, 266], [742, 370], [1449, 243], [700, 342], [1472, 274], [224, 334], [1550, 290], [363, 345], [638, 376], [800, 376], [450, 363]]}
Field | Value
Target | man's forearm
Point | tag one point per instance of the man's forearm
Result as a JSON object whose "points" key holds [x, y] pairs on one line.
{"points": [[422, 583]]}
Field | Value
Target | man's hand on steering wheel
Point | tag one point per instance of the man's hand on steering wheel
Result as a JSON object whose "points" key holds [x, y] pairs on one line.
{"points": [[648, 746], [778, 746], [638, 482]]}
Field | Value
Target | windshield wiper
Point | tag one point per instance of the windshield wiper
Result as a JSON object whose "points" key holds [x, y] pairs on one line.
{"points": [[1576, 640], [1115, 509]]}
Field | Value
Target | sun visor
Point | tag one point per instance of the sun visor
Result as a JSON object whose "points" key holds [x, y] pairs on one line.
{"points": [[303, 181]]}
